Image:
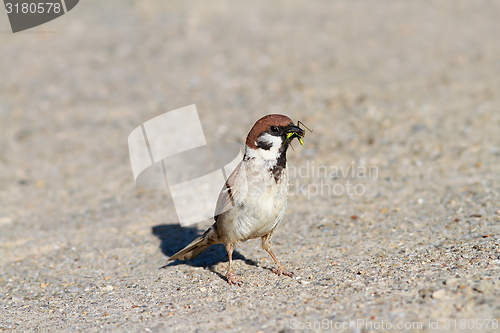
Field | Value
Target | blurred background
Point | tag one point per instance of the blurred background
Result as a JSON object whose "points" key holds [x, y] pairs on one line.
{"points": [[412, 88]]}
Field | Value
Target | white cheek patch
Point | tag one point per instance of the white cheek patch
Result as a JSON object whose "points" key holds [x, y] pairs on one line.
{"points": [[275, 144]]}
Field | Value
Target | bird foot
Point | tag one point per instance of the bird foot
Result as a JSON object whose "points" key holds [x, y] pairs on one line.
{"points": [[281, 271], [233, 279]]}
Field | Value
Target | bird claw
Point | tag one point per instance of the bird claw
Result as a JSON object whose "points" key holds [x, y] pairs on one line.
{"points": [[281, 271], [233, 279]]}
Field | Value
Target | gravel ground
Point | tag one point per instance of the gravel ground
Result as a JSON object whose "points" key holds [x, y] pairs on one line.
{"points": [[408, 91]]}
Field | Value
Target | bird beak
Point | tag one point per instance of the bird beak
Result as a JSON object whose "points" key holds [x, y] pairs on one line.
{"points": [[295, 132]]}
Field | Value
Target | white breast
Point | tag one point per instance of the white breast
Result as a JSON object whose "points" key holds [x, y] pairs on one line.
{"points": [[263, 207]]}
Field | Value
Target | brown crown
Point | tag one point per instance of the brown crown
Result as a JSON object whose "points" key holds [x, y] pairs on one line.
{"points": [[263, 125]]}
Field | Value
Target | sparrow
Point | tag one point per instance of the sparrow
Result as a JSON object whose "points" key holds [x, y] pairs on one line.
{"points": [[252, 201]]}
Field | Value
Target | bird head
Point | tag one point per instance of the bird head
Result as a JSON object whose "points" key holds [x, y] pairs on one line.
{"points": [[271, 136]]}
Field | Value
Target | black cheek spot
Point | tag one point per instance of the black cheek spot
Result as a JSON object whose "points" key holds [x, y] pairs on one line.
{"points": [[264, 145]]}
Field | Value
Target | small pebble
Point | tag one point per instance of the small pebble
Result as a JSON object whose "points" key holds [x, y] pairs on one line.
{"points": [[439, 294], [5, 220], [485, 287]]}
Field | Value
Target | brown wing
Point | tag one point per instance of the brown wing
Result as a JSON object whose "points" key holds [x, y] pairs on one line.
{"points": [[227, 197]]}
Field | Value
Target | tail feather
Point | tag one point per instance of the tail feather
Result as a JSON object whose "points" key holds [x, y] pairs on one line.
{"points": [[197, 246]]}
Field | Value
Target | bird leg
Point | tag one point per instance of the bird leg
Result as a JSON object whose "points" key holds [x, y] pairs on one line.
{"points": [[266, 245], [231, 277]]}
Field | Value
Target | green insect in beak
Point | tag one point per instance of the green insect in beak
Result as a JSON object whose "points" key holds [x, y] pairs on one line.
{"points": [[297, 132], [290, 136]]}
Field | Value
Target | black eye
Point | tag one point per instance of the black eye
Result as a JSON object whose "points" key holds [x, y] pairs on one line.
{"points": [[274, 129]]}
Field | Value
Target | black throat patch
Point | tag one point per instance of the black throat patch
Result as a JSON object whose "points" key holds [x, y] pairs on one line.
{"points": [[280, 165]]}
